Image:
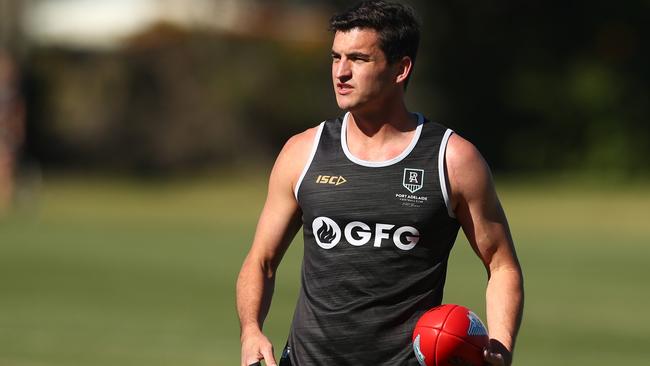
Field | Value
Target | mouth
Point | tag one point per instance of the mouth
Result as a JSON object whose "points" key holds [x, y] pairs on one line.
{"points": [[343, 89]]}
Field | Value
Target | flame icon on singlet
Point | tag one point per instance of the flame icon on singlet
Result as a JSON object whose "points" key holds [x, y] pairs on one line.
{"points": [[325, 234]]}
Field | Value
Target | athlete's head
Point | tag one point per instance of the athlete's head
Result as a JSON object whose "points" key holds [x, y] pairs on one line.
{"points": [[395, 24]]}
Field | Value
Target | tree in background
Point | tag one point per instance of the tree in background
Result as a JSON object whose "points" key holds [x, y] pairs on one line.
{"points": [[539, 87], [543, 86]]}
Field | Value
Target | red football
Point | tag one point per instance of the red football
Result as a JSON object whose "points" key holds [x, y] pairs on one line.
{"points": [[450, 335]]}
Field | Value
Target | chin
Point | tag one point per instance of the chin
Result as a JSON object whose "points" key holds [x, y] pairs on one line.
{"points": [[353, 107], [344, 104]]}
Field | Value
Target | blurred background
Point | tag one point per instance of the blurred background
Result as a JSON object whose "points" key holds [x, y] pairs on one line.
{"points": [[136, 138]]}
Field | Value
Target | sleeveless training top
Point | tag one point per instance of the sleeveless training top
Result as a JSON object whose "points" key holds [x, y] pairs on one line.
{"points": [[377, 238]]}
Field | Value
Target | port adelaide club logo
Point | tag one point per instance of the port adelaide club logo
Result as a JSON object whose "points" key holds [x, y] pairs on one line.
{"points": [[413, 181]]}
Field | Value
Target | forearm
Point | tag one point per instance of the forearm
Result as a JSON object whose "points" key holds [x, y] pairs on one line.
{"points": [[505, 300], [255, 287]]}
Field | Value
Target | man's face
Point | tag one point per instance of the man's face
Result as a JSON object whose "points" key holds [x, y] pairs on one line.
{"points": [[361, 74]]}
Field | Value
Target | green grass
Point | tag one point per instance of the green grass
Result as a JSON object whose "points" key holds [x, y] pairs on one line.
{"points": [[110, 272]]}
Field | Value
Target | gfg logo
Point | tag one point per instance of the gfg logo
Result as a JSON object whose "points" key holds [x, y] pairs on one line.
{"points": [[328, 234]]}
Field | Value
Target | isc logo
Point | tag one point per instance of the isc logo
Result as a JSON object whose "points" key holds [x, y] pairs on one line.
{"points": [[328, 233], [330, 179]]}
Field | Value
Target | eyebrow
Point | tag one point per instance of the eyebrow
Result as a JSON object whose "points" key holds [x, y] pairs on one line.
{"points": [[353, 55]]}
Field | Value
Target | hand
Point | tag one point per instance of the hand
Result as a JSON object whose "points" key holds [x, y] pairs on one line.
{"points": [[256, 347], [497, 354], [494, 359]]}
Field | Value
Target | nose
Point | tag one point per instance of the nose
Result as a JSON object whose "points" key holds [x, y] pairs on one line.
{"points": [[342, 70]]}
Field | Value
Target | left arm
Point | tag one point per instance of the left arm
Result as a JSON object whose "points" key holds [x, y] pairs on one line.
{"points": [[484, 222]]}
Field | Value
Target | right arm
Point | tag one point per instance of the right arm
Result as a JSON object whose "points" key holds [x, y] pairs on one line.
{"points": [[278, 224]]}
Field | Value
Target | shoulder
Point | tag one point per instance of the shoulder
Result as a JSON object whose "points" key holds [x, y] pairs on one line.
{"points": [[461, 153], [298, 147], [300, 143], [294, 155], [467, 170]]}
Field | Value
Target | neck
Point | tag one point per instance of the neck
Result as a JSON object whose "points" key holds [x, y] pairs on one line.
{"points": [[380, 136], [388, 121]]}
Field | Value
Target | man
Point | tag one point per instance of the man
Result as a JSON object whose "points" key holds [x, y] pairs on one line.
{"points": [[381, 194]]}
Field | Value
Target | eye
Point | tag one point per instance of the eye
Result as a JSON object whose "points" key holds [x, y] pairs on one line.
{"points": [[359, 58]]}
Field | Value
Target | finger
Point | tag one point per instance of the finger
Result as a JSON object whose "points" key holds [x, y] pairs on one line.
{"points": [[267, 352], [252, 361], [493, 358]]}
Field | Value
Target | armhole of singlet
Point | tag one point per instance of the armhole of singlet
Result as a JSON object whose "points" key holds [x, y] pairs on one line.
{"points": [[311, 157], [442, 172]]}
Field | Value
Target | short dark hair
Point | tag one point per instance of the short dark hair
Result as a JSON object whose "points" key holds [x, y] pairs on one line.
{"points": [[398, 29]]}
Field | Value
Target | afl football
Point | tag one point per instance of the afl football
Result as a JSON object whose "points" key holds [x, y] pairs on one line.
{"points": [[450, 335]]}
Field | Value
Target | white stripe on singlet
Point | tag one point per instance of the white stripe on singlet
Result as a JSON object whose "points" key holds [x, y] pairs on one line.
{"points": [[311, 157]]}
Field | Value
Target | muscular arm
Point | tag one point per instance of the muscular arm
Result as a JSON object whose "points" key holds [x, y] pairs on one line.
{"points": [[277, 225], [484, 222]]}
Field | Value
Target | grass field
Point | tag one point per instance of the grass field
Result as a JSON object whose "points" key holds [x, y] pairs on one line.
{"points": [[109, 272]]}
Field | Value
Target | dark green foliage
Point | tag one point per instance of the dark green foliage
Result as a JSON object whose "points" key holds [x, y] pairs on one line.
{"points": [[536, 85]]}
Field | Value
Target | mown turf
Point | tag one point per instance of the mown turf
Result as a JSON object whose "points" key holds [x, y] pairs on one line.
{"points": [[108, 272]]}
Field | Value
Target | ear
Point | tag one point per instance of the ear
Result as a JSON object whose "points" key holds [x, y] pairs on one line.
{"points": [[404, 67]]}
